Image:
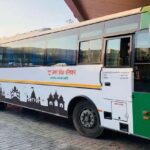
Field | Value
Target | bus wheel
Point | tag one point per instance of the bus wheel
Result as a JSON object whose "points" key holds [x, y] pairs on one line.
{"points": [[86, 120], [3, 106]]}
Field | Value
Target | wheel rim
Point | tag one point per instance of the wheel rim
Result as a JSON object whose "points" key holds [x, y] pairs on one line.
{"points": [[88, 118]]}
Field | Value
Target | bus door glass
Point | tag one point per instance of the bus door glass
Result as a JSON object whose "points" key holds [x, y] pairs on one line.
{"points": [[141, 95], [142, 61], [116, 76]]}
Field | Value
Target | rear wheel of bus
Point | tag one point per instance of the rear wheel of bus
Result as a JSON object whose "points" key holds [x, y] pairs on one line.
{"points": [[86, 119], [3, 106]]}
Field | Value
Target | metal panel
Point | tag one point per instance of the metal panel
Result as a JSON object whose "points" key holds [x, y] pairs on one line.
{"points": [[141, 114], [122, 25]]}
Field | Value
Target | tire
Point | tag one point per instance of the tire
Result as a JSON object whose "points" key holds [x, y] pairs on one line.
{"points": [[86, 120], [3, 106]]}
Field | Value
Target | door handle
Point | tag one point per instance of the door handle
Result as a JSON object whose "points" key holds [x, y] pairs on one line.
{"points": [[107, 84], [100, 76]]}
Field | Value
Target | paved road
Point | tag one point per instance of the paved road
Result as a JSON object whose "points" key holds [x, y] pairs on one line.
{"points": [[28, 130]]}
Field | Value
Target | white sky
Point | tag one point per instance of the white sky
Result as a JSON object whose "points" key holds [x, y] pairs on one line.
{"points": [[19, 16]]}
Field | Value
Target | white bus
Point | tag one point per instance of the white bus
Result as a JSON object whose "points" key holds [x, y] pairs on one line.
{"points": [[95, 72]]}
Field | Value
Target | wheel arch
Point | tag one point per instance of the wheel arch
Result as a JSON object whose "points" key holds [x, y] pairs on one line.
{"points": [[74, 101]]}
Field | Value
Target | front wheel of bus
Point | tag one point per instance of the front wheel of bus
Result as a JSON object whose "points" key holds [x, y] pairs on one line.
{"points": [[86, 120]]}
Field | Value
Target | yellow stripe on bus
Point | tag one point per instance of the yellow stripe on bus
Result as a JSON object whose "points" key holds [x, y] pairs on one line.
{"points": [[77, 85]]}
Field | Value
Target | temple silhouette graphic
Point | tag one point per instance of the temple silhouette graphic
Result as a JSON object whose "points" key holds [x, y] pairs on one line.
{"points": [[2, 93], [32, 99], [15, 94], [55, 102]]}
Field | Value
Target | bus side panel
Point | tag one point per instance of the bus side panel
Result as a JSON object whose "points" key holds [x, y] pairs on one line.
{"points": [[117, 99], [49, 89], [38, 97], [49, 99], [141, 114]]}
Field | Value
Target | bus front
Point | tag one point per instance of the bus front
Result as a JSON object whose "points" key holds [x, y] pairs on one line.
{"points": [[141, 95]]}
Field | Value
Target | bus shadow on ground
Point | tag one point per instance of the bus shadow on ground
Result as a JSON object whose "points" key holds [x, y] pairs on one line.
{"points": [[109, 135], [40, 116]]}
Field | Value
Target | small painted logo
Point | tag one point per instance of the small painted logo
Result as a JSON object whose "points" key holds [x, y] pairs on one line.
{"points": [[60, 74]]}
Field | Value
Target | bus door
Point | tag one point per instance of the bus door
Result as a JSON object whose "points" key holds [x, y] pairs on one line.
{"points": [[141, 95], [117, 75]]}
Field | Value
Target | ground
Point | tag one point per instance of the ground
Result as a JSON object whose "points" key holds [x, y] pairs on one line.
{"points": [[28, 130]]}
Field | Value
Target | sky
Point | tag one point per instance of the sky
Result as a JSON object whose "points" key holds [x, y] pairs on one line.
{"points": [[19, 16]]}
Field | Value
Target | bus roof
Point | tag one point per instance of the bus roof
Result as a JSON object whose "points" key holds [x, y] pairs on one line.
{"points": [[75, 25]]}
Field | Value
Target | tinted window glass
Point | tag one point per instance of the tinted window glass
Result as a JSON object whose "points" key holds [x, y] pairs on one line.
{"points": [[90, 52], [34, 51], [142, 47], [1, 56], [30, 52], [12, 57], [118, 52], [113, 53], [142, 61], [62, 49]]}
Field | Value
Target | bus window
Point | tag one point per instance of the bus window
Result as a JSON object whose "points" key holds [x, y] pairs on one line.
{"points": [[33, 57], [28, 52], [1, 56], [33, 51], [142, 61], [12, 57], [118, 52], [90, 52], [62, 49]]}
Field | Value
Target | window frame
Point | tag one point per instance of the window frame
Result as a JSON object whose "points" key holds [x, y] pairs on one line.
{"points": [[79, 50], [63, 34], [119, 37], [139, 84], [136, 36], [24, 41]]}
